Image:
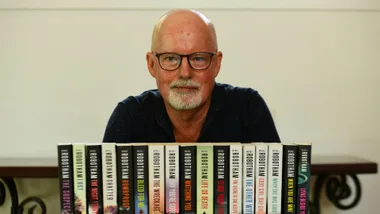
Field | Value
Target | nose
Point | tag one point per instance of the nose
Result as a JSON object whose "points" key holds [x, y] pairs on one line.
{"points": [[185, 69]]}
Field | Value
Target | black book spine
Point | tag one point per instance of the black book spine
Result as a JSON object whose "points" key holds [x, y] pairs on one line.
{"points": [[303, 190], [140, 167], [187, 179], [94, 179], [221, 178], [65, 163], [289, 179], [124, 179]]}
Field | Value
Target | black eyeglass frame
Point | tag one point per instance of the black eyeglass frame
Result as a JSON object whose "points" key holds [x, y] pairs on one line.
{"points": [[212, 54]]}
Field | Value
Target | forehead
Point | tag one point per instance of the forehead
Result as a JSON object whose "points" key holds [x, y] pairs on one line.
{"points": [[185, 38]]}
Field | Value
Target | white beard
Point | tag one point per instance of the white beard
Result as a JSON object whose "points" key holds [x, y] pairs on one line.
{"points": [[185, 100]]}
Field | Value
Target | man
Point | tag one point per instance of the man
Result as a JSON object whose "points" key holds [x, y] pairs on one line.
{"points": [[189, 106]]}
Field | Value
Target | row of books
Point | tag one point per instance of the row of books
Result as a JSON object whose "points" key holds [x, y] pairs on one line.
{"points": [[196, 178]]}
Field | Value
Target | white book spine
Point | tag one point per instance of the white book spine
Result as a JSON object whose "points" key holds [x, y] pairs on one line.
{"points": [[156, 165], [261, 178], [248, 178], [109, 178], [79, 176], [274, 178], [236, 173], [172, 178]]}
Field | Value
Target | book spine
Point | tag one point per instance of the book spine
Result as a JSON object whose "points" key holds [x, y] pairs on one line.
{"points": [[172, 179], [188, 188], [125, 190], [221, 177], [79, 167], [274, 178], [109, 178], [304, 161], [140, 152], [94, 179], [236, 178], [205, 179], [289, 179], [65, 161], [249, 178], [261, 178], [156, 179]]}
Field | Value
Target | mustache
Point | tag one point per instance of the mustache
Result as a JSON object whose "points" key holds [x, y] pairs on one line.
{"points": [[186, 83]]}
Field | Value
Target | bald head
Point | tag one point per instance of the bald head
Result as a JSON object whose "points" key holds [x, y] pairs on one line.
{"points": [[186, 22]]}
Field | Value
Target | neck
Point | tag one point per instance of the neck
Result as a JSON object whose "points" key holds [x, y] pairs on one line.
{"points": [[188, 121]]}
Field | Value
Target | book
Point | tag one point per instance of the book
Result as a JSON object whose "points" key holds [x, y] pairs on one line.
{"points": [[79, 173], [303, 186], [94, 178], [157, 179], [261, 178], [249, 157], [109, 178], [125, 177], [236, 172], [221, 178], [65, 165], [172, 178], [274, 178], [205, 178], [140, 154], [187, 178], [289, 179]]}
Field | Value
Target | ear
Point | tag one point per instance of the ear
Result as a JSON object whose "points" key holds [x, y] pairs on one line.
{"points": [[219, 57], [150, 60]]}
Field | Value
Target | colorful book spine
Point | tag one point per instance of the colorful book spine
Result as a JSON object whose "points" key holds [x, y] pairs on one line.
{"points": [[109, 178], [156, 179], [303, 189], [249, 178], [236, 178], [140, 153], [274, 178], [187, 171], [222, 178], [80, 191], [205, 179], [65, 163], [94, 178], [172, 179], [289, 179], [125, 176], [261, 178]]}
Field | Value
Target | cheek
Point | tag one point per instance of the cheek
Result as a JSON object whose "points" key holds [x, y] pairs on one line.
{"points": [[164, 79], [207, 81]]}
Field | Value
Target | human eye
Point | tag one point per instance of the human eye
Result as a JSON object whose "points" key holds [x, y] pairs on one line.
{"points": [[169, 58], [200, 58]]}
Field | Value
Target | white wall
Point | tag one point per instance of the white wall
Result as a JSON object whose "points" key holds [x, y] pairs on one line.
{"points": [[62, 71]]}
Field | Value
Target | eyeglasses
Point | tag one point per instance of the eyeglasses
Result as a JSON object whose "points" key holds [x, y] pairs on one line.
{"points": [[172, 61]]}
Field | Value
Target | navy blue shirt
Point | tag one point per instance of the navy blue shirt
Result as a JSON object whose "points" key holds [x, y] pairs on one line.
{"points": [[236, 114]]}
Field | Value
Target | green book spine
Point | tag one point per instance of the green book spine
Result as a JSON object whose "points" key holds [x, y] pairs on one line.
{"points": [[205, 179], [80, 190]]}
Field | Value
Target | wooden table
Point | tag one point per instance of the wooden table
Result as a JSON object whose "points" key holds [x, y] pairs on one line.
{"points": [[329, 170]]}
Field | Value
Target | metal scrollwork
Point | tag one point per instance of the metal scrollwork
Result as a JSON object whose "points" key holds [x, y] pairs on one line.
{"points": [[2, 194], [36, 200], [16, 208], [337, 190]]}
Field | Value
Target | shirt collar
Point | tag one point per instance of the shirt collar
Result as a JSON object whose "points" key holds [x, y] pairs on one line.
{"points": [[162, 118]]}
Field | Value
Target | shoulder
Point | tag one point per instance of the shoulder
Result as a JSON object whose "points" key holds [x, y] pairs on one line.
{"points": [[237, 93], [244, 101], [137, 103]]}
